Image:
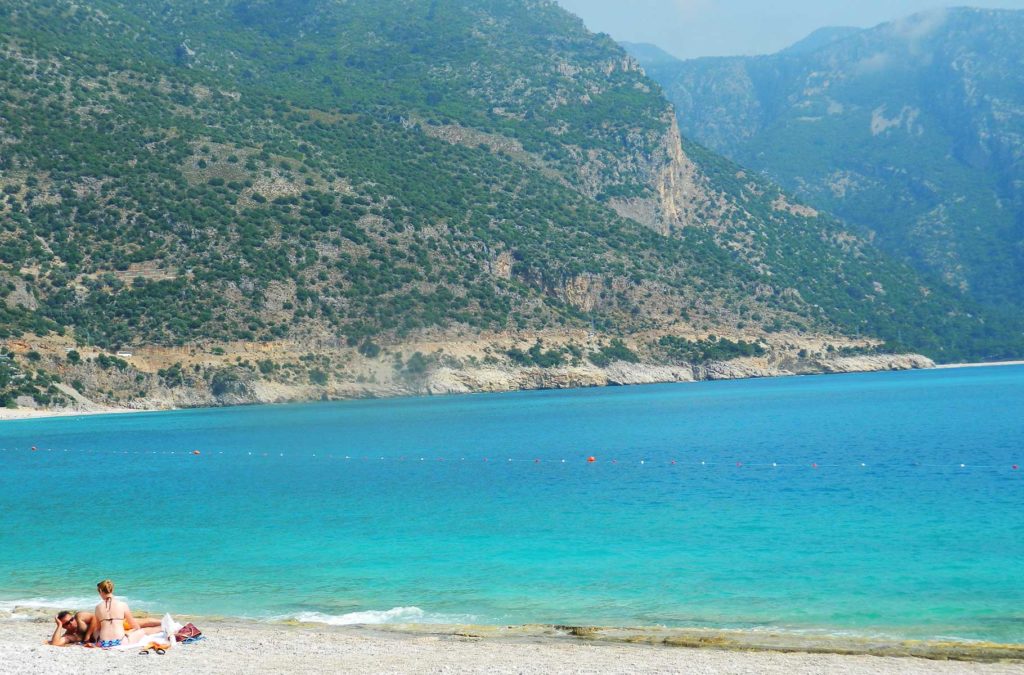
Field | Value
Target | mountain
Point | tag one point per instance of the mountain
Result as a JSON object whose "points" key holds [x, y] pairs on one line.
{"points": [[249, 197], [912, 132]]}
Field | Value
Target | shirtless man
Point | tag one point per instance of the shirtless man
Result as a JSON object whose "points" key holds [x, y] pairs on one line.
{"points": [[71, 628]]}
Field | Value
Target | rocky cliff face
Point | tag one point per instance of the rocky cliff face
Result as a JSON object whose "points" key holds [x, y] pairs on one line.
{"points": [[676, 189]]}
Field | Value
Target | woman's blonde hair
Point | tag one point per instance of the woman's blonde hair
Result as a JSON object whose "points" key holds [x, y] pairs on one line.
{"points": [[105, 586]]}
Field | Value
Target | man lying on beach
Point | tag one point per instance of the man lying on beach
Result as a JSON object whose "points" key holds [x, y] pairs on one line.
{"points": [[71, 628]]}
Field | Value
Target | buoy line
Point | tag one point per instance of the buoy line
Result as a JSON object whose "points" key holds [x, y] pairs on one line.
{"points": [[586, 459]]}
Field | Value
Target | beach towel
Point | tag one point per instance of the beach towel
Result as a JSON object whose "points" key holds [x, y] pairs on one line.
{"points": [[169, 627], [144, 640]]}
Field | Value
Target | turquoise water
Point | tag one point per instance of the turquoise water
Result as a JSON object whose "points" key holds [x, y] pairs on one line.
{"points": [[410, 510]]}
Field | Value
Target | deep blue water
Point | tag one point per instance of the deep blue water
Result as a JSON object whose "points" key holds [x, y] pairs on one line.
{"points": [[410, 510]]}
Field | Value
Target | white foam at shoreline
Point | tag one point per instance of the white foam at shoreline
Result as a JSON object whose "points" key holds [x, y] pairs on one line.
{"points": [[376, 617]]}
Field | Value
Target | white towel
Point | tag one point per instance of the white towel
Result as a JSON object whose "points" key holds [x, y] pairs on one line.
{"points": [[166, 636], [145, 640]]}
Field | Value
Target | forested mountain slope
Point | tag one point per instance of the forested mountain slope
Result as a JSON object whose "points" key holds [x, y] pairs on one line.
{"points": [[370, 173], [912, 131]]}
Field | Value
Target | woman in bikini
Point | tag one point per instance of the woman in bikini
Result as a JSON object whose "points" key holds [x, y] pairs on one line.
{"points": [[112, 623]]}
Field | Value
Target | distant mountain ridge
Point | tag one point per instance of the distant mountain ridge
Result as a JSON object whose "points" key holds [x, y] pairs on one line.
{"points": [[912, 130]]}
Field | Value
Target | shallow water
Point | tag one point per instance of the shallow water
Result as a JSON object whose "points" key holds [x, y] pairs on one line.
{"points": [[410, 510]]}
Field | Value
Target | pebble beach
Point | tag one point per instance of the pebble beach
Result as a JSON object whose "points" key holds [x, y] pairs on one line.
{"points": [[247, 647]]}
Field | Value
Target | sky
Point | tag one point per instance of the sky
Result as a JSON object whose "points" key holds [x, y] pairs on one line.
{"points": [[692, 28]]}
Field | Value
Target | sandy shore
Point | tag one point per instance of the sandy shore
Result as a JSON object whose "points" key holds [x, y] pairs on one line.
{"points": [[246, 647], [979, 365], [37, 413]]}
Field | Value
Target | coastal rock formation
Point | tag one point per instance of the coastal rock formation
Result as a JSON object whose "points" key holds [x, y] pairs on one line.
{"points": [[512, 378], [738, 369], [246, 373], [858, 364], [450, 381], [622, 373]]}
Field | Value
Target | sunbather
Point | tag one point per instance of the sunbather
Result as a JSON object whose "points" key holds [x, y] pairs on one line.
{"points": [[113, 624], [71, 628]]}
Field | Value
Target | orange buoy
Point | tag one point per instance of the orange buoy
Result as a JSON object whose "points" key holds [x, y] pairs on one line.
{"points": [[195, 452], [591, 459]]}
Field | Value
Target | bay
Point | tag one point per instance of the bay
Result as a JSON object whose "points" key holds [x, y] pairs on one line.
{"points": [[831, 504]]}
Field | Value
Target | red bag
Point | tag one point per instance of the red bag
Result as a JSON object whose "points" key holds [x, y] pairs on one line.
{"points": [[187, 632]]}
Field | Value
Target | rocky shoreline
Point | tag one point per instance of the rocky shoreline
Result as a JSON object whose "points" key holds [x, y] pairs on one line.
{"points": [[446, 380], [620, 373]]}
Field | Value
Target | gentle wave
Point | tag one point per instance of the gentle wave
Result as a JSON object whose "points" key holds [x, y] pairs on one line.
{"points": [[27, 609], [393, 615]]}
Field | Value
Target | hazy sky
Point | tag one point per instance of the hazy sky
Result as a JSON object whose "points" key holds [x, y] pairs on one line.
{"points": [[690, 28]]}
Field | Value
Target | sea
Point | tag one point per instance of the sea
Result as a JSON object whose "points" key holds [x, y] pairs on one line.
{"points": [[885, 504]]}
